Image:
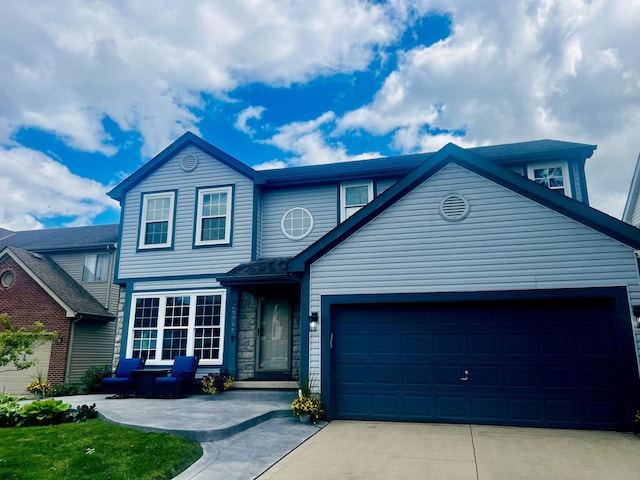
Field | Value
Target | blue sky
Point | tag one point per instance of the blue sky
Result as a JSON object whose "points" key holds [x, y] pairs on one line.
{"points": [[91, 89]]}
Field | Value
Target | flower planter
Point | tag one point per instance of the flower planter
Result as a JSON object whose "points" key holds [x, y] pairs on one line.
{"points": [[305, 419]]}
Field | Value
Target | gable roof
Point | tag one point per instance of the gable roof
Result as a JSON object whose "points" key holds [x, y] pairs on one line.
{"points": [[70, 295], [5, 233], [482, 166], [56, 239], [506, 154], [632, 197], [180, 144]]}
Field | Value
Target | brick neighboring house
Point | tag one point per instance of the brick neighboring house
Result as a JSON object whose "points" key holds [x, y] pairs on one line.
{"points": [[63, 278]]}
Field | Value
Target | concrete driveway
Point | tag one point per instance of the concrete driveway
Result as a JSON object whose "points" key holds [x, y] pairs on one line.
{"points": [[348, 450]]}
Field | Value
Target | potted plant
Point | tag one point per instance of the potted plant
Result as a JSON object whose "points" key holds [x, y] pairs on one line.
{"points": [[307, 407], [39, 387], [217, 382]]}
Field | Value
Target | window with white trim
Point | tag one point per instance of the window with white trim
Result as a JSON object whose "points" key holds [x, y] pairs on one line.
{"points": [[354, 196], [213, 222], [554, 176], [156, 225], [297, 223], [96, 268], [163, 326]]}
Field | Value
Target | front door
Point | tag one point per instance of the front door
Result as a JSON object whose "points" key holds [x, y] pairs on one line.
{"points": [[274, 336]]}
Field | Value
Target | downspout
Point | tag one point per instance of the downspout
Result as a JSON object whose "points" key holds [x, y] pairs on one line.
{"points": [[72, 331]]}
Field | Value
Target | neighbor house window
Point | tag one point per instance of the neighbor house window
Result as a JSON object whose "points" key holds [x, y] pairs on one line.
{"points": [[156, 226], [354, 196], [178, 323], [96, 268], [554, 176], [213, 223]]}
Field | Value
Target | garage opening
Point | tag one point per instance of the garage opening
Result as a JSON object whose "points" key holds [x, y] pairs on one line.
{"points": [[552, 362]]}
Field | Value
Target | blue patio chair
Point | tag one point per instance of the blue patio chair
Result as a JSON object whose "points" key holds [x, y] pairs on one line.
{"points": [[179, 380], [120, 384]]}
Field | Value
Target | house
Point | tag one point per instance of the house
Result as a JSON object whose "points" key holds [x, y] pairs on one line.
{"points": [[631, 213], [465, 285], [62, 277]]}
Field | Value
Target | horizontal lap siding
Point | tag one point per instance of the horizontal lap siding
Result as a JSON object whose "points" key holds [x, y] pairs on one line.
{"points": [[322, 203], [507, 242], [92, 347], [183, 259], [73, 263]]}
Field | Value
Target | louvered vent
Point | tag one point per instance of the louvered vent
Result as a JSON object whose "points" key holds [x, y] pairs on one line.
{"points": [[454, 208], [189, 163]]}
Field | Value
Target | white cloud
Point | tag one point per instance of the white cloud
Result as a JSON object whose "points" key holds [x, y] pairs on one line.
{"points": [[35, 187], [515, 71], [249, 113], [145, 64], [310, 145]]}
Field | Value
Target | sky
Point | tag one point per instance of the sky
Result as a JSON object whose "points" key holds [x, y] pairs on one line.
{"points": [[91, 90]]}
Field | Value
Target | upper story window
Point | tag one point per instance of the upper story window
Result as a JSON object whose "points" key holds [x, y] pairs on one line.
{"points": [[354, 196], [554, 176], [213, 223], [96, 268], [297, 223], [156, 226]]}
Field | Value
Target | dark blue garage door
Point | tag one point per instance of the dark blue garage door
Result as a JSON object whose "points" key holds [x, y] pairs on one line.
{"points": [[531, 363]]}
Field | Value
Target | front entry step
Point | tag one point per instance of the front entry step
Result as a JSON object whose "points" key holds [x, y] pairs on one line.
{"points": [[265, 385]]}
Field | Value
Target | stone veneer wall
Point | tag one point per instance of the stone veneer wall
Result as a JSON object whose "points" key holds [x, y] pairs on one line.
{"points": [[246, 348], [119, 323], [247, 327]]}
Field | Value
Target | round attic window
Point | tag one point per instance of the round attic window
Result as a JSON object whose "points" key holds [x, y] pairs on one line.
{"points": [[454, 208], [189, 163], [297, 223], [7, 278]]}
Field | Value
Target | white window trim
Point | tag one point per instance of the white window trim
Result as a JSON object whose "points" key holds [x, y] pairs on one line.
{"points": [[565, 173], [343, 197], [143, 220], [96, 262], [284, 228], [227, 230], [190, 329]]}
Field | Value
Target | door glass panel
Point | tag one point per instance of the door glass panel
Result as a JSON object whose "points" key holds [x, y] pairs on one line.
{"points": [[275, 336]]}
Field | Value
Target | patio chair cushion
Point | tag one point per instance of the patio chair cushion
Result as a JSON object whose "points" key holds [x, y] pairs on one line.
{"points": [[182, 375], [121, 382]]}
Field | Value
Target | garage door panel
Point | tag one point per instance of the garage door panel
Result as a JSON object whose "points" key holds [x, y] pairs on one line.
{"points": [[447, 344], [513, 344], [482, 344], [530, 362], [488, 409], [523, 410]]}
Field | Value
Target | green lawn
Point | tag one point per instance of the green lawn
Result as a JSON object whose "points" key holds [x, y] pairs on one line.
{"points": [[93, 449]]}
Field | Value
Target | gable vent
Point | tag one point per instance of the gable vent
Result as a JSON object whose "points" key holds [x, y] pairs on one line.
{"points": [[189, 163], [454, 208]]}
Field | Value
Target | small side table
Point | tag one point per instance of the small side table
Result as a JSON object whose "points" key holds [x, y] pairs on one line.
{"points": [[143, 381]]}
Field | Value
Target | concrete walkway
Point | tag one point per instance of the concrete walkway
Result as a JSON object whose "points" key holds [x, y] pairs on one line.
{"points": [[373, 450], [242, 433]]}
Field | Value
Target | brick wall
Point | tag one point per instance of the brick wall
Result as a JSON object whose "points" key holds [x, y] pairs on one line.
{"points": [[25, 301]]}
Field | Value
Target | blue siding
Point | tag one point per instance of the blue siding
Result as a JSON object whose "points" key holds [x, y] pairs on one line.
{"points": [[507, 242], [183, 259], [321, 203]]}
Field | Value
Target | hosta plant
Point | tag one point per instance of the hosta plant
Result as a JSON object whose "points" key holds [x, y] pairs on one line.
{"points": [[44, 412]]}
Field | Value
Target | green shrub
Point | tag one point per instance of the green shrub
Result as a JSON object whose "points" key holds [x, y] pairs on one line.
{"points": [[66, 389], [85, 412], [44, 412], [92, 378], [10, 410]]}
